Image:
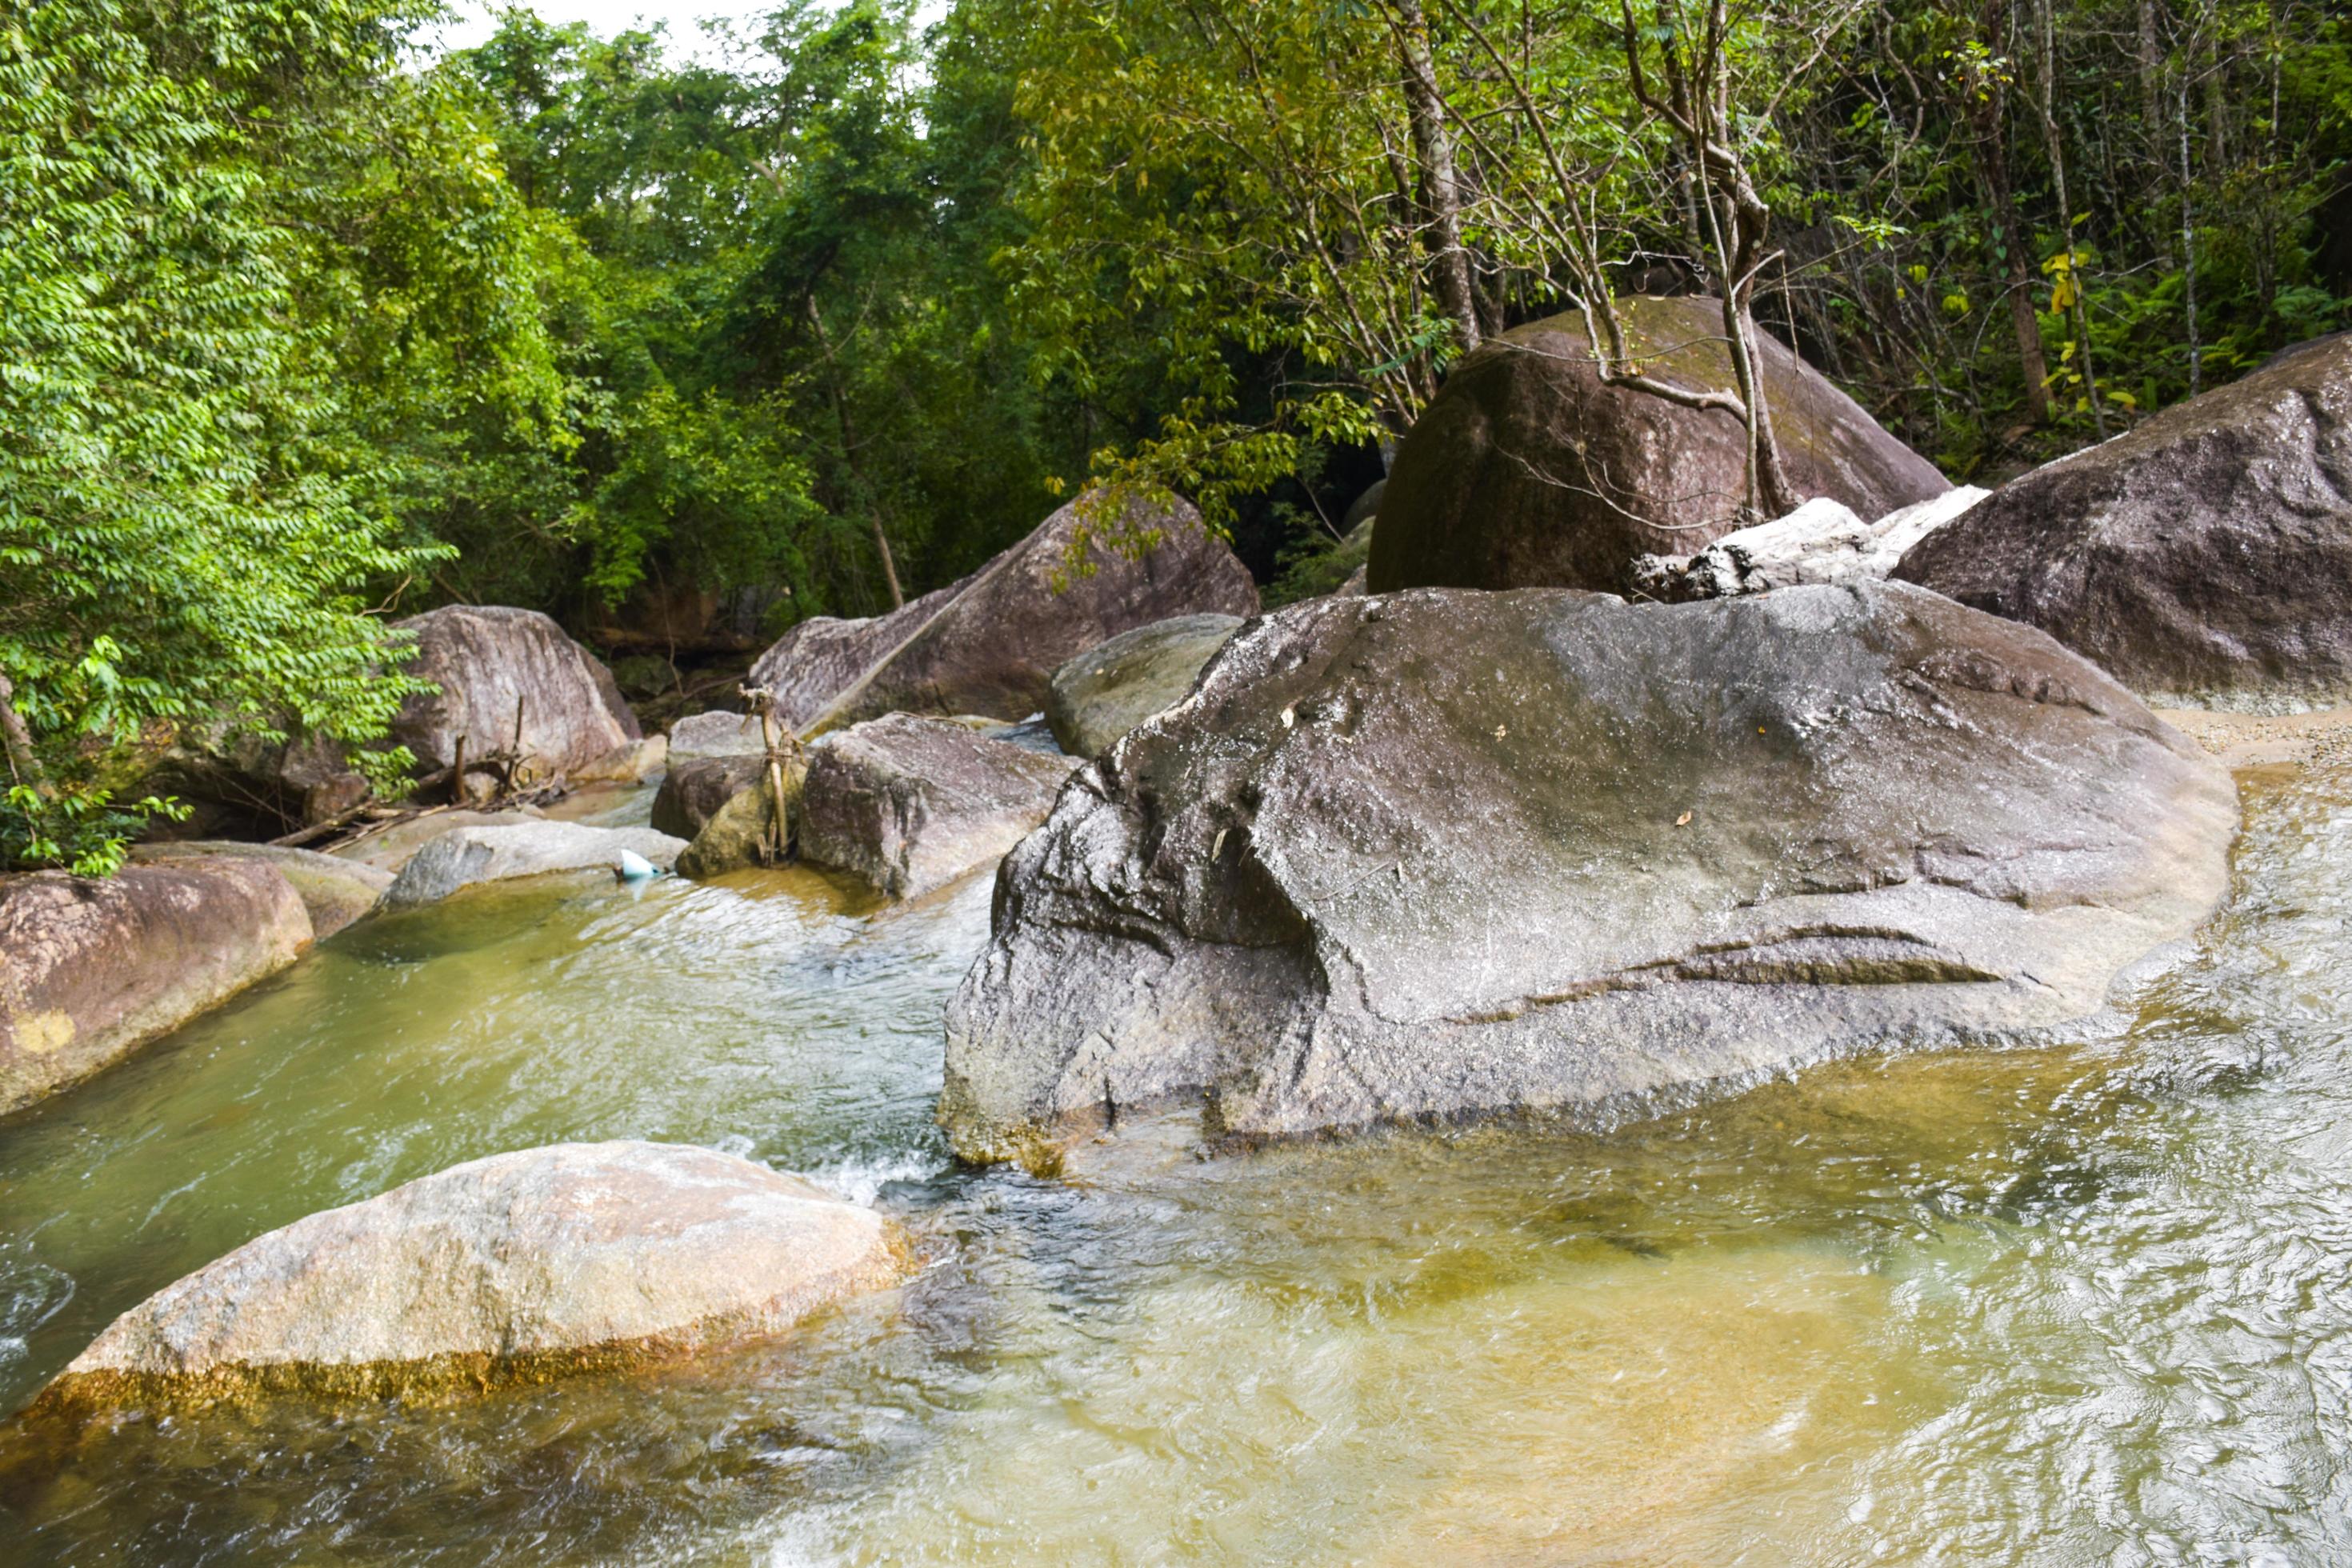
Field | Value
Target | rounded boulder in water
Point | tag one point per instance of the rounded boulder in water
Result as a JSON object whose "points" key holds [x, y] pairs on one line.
{"points": [[517, 1267], [1441, 854]]}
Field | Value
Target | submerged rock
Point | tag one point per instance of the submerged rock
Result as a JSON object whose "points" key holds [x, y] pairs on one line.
{"points": [[908, 803], [92, 969], [1109, 690], [1445, 854], [334, 893], [1821, 542], [470, 855], [2203, 558], [989, 645], [520, 1265], [486, 660], [1527, 471]]}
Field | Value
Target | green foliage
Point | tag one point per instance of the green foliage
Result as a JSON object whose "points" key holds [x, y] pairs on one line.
{"points": [[294, 334], [180, 538]]}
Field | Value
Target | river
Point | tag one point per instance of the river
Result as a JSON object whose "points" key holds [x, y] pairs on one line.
{"points": [[2088, 1302]]}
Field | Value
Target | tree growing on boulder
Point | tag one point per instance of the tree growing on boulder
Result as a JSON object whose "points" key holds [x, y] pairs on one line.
{"points": [[1364, 193]]}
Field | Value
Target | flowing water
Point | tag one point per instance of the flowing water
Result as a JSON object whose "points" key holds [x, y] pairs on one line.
{"points": [[2085, 1303]]}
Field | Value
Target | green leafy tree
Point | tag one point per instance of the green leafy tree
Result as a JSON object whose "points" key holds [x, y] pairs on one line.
{"points": [[180, 539]]}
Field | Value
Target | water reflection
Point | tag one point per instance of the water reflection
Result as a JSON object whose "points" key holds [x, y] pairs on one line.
{"points": [[2086, 1303]]}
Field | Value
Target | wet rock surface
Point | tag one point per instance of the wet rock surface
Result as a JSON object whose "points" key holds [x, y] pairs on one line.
{"points": [[908, 803], [2204, 558], [486, 660], [1438, 855], [1108, 691], [466, 857], [91, 969], [1527, 471], [989, 644], [334, 893], [523, 1265]]}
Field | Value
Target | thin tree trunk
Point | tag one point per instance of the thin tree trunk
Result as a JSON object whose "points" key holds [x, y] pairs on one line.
{"points": [[849, 455], [2057, 149], [23, 766], [1433, 145], [1992, 168], [2188, 251]]}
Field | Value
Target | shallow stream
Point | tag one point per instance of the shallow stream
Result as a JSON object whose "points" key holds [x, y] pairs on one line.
{"points": [[2085, 1303]]}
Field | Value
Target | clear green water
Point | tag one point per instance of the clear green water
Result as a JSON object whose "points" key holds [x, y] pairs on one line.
{"points": [[2090, 1303]]}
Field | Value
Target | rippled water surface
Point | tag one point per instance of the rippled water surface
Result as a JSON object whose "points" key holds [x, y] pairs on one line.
{"points": [[2087, 1303]]}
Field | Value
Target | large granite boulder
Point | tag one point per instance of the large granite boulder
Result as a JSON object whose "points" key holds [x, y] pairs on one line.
{"points": [[1444, 853], [334, 891], [908, 803], [517, 1267], [487, 659], [989, 643], [1821, 542], [1527, 471], [2204, 557], [91, 969], [468, 856], [1108, 691]]}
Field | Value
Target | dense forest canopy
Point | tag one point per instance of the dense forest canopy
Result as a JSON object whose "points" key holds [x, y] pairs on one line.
{"points": [[302, 329]]}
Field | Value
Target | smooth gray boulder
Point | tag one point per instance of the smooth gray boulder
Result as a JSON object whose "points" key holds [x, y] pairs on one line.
{"points": [[2204, 557], [1442, 853], [92, 969], [391, 846], [468, 856], [908, 803], [1821, 542], [487, 659], [989, 645], [1110, 688], [517, 1267], [334, 891]]}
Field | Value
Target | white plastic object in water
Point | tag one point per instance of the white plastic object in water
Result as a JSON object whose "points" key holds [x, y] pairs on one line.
{"points": [[635, 866]]}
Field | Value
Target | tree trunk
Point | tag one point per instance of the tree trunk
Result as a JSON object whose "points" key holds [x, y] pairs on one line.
{"points": [[17, 741], [1432, 144], [2189, 252], [1988, 109], [849, 455], [2056, 143]]}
